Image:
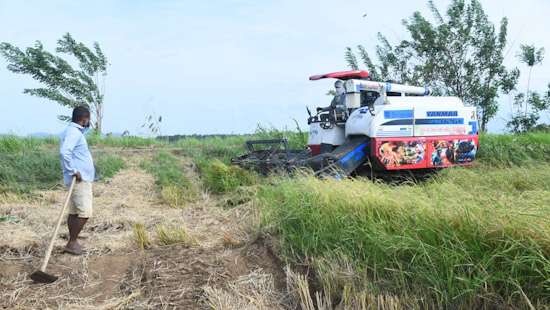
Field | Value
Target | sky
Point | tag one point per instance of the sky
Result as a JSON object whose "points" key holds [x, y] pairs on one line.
{"points": [[210, 67]]}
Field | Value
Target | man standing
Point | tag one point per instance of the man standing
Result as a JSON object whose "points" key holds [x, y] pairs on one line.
{"points": [[76, 160]]}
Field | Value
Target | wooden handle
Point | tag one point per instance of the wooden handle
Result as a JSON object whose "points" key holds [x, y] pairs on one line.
{"points": [[59, 219]]}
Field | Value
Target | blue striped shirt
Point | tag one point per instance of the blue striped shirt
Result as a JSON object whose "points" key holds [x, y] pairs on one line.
{"points": [[75, 155]]}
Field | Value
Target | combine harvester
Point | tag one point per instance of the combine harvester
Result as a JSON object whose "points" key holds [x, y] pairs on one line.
{"points": [[379, 125]]}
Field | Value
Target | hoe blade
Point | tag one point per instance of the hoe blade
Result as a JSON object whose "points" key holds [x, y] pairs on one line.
{"points": [[42, 277]]}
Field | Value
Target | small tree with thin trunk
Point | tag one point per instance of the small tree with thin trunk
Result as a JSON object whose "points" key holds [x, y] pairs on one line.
{"points": [[531, 102], [61, 82], [531, 56]]}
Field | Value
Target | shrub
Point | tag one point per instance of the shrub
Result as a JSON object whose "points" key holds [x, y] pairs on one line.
{"points": [[220, 178]]}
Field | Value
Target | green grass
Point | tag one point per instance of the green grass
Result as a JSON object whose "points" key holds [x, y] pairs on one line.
{"points": [[221, 148], [296, 139], [127, 142], [166, 169], [224, 148], [221, 178], [467, 237], [176, 189], [212, 155], [108, 165], [24, 172], [28, 164], [513, 150], [13, 144]]}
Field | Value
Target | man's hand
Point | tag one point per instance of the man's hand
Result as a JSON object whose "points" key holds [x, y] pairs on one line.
{"points": [[78, 176]]}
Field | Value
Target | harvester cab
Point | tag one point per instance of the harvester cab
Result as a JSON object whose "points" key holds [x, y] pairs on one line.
{"points": [[387, 125]]}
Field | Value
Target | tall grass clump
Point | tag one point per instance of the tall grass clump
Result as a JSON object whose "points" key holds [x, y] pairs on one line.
{"points": [[174, 235], [141, 236], [465, 239], [176, 189], [221, 178], [108, 165]]}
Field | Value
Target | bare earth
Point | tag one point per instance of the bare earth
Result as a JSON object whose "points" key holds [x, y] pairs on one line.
{"points": [[230, 267]]}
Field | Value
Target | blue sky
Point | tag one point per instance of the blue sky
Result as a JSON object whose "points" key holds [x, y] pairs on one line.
{"points": [[222, 66]]}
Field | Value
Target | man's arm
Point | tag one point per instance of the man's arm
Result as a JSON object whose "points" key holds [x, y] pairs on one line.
{"points": [[66, 152]]}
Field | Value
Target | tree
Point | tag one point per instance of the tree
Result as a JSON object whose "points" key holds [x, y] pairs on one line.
{"points": [[531, 102], [523, 122], [530, 56], [459, 54], [62, 83]]}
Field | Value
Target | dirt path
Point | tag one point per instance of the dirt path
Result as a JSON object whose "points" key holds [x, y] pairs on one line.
{"points": [[229, 268]]}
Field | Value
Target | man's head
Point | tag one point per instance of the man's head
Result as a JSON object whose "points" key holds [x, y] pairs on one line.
{"points": [[339, 87], [81, 116]]}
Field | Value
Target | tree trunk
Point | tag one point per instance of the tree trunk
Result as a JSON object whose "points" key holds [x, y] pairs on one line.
{"points": [[527, 92], [98, 118], [484, 121]]}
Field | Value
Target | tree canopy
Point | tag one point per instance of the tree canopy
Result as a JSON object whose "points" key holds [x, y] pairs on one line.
{"points": [[62, 82], [459, 53]]}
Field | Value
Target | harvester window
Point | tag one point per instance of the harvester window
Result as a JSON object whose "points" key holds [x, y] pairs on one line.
{"points": [[393, 94], [368, 98]]}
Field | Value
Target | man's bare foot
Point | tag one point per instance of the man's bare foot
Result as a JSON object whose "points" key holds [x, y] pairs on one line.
{"points": [[73, 248]]}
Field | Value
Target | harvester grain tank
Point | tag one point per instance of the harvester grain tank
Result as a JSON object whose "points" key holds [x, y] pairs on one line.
{"points": [[384, 125]]}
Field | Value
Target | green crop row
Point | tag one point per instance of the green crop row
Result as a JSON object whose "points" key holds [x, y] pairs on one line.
{"points": [[466, 238], [175, 187]]}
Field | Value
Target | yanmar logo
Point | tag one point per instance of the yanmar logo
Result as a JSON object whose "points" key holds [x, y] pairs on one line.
{"points": [[441, 113]]}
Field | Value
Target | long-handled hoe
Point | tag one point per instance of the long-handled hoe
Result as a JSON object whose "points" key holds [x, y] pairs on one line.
{"points": [[40, 276]]}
